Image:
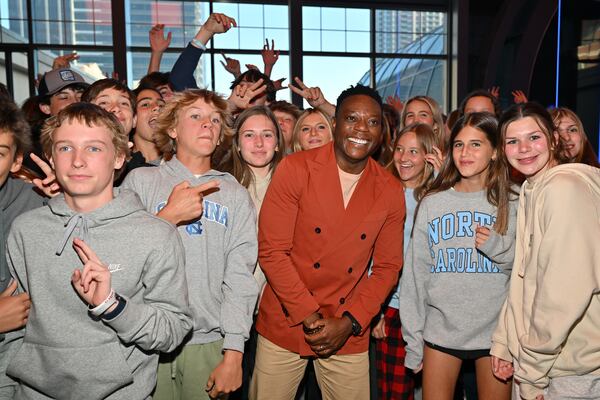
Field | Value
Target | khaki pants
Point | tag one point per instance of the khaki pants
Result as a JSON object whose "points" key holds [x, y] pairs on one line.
{"points": [[278, 372]]}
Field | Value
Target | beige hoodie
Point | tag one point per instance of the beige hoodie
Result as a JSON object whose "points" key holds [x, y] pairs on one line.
{"points": [[550, 322]]}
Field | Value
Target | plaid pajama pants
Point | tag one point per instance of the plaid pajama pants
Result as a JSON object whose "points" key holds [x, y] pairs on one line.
{"points": [[394, 381]]}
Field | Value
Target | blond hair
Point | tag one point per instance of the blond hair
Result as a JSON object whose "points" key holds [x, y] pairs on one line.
{"points": [[296, 133], [91, 115], [169, 117]]}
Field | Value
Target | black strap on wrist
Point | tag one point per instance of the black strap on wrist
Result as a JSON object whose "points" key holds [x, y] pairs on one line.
{"points": [[356, 328], [121, 303]]}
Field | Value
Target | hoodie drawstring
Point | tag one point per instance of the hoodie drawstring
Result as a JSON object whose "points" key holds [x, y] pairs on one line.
{"points": [[77, 220]]}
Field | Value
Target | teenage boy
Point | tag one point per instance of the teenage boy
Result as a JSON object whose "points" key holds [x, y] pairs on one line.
{"points": [[116, 98], [59, 88], [103, 300], [218, 229], [327, 213]]}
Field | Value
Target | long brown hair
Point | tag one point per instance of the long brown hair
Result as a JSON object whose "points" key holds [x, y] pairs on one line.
{"points": [[497, 183], [241, 170], [427, 140], [586, 154]]}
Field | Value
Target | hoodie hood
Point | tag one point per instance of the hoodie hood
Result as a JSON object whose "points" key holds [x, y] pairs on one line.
{"points": [[175, 167], [586, 173], [125, 202]]}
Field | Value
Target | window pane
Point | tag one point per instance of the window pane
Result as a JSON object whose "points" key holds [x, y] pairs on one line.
{"points": [[334, 74], [333, 40], [311, 40], [20, 76], [358, 19], [13, 21], [256, 23], [358, 41], [181, 18], [333, 18], [413, 32], [88, 23], [311, 17]]}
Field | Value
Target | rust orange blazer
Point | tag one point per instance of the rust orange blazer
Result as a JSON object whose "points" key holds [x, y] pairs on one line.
{"points": [[316, 254]]}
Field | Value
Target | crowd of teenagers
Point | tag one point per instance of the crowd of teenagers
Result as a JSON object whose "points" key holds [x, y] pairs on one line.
{"points": [[168, 242]]}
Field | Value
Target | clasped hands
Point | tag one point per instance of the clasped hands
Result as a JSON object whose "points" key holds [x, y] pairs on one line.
{"points": [[326, 336]]}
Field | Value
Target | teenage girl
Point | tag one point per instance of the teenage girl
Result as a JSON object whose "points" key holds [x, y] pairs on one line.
{"points": [[576, 145], [413, 145], [549, 323], [313, 129], [455, 275], [425, 110], [256, 150]]}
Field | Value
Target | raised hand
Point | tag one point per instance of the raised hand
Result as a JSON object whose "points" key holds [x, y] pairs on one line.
{"points": [[495, 91], [269, 56], [93, 282], [158, 42], [64, 61], [519, 96], [312, 95], [436, 159], [185, 202], [231, 65], [278, 84], [395, 102], [14, 309], [218, 23], [49, 186], [242, 95]]}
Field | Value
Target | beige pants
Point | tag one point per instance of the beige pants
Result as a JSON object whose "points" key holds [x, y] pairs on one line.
{"points": [[278, 372]]}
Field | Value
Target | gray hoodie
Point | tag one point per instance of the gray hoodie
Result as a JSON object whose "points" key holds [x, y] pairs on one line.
{"points": [[68, 354], [220, 248], [451, 292]]}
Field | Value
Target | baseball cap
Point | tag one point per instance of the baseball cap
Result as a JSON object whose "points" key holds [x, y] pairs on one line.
{"points": [[58, 79]]}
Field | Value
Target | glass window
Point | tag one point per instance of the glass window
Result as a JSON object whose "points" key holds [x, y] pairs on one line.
{"points": [[256, 22], [335, 29], [137, 64], [13, 21], [333, 74], [75, 22], [413, 32], [182, 19]]}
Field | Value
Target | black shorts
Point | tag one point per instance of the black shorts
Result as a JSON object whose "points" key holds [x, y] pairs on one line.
{"points": [[461, 354]]}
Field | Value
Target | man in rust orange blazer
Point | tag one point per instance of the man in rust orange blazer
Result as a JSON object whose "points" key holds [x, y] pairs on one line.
{"points": [[327, 213]]}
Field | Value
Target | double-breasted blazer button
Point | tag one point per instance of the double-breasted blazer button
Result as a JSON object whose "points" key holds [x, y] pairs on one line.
{"points": [[363, 236], [350, 270], [318, 230], [342, 300], [317, 265]]}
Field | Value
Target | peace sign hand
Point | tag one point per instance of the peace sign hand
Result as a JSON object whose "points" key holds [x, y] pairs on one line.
{"points": [[93, 282], [312, 95]]}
